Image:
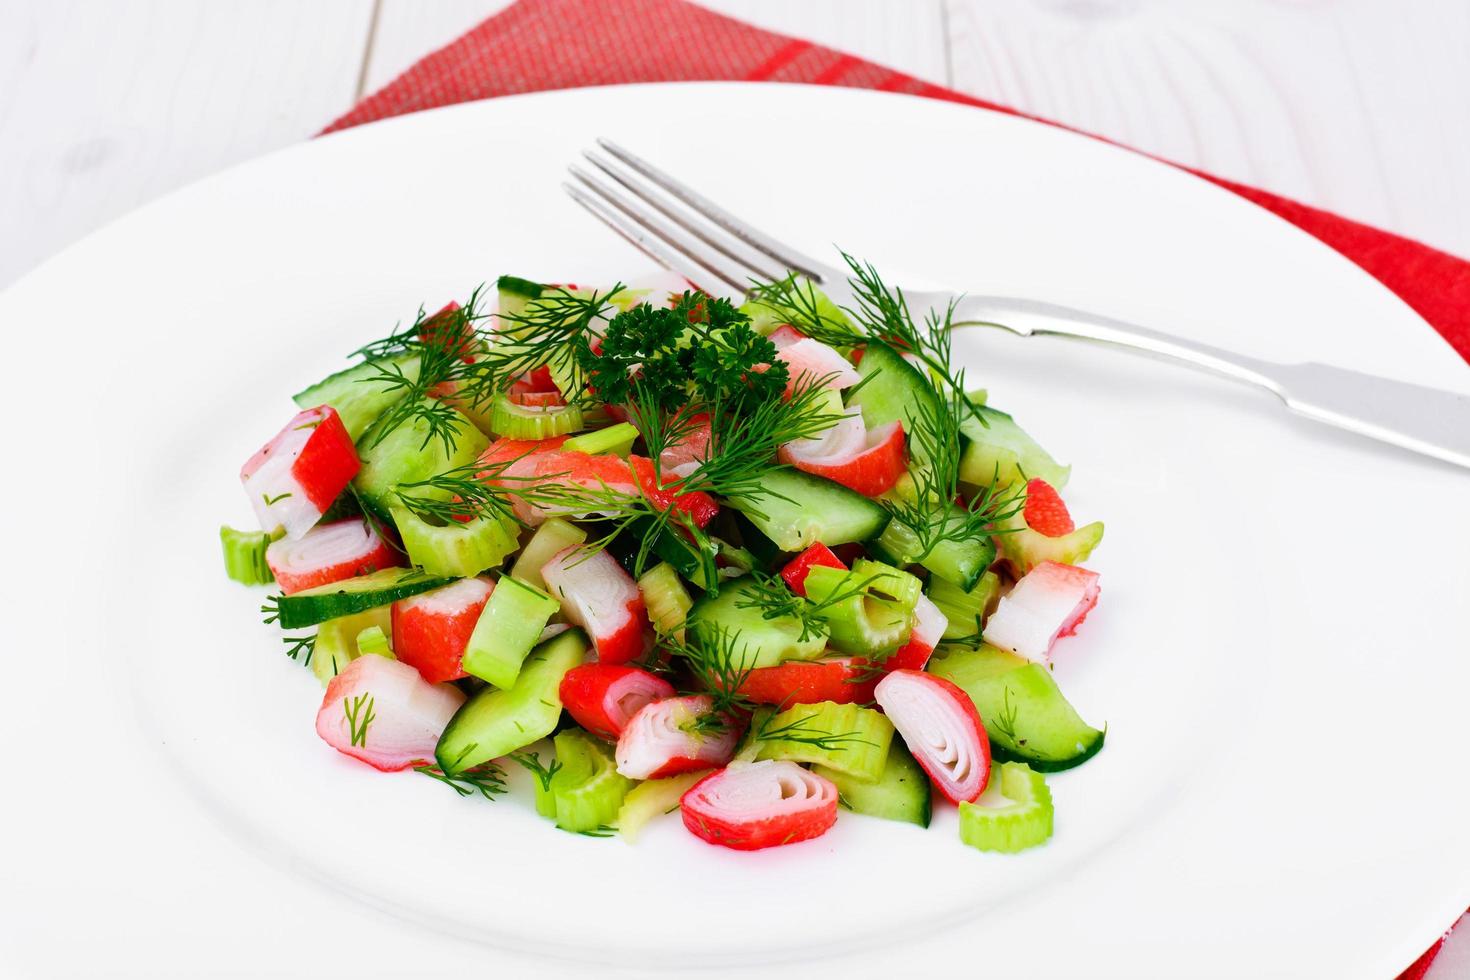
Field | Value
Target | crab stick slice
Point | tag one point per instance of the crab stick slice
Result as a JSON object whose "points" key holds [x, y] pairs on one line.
{"points": [[329, 553], [664, 739], [382, 712], [839, 680], [603, 697], [795, 571], [597, 595], [431, 630], [748, 806], [929, 626], [942, 729], [809, 362], [294, 478], [1049, 602], [869, 462]]}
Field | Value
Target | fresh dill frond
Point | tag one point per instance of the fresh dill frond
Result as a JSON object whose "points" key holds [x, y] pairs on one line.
{"points": [[487, 779], [720, 663], [299, 645], [360, 714], [803, 731], [532, 761]]}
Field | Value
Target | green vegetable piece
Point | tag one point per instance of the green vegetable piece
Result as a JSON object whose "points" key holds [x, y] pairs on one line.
{"points": [[362, 392], [411, 452], [617, 439], [532, 421], [844, 737], [586, 792], [796, 510], [353, 595], [1021, 818], [507, 630], [961, 561], [901, 792], [1023, 710], [759, 642], [651, 799], [859, 620], [1025, 548], [496, 722], [245, 556], [667, 600], [551, 537], [374, 640], [462, 550], [1001, 452], [337, 640], [965, 611]]}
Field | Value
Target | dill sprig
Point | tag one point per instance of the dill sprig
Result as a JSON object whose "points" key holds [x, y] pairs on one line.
{"points": [[803, 731], [720, 663], [794, 299], [1005, 721], [299, 645], [487, 779], [532, 761], [360, 714], [770, 596]]}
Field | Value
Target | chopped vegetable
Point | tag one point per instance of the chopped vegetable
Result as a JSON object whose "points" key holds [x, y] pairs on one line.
{"points": [[749, 806]]}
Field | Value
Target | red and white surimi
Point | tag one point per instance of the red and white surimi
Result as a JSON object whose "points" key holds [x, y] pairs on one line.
{"points": [[329, 553], [603, 697], [929, 626], [432, 629], [597, 595], [1049, 602], [294, 478], [382, 712], [939, 724], [659, 741], [748, 806], [869, 462], [810, 362]]}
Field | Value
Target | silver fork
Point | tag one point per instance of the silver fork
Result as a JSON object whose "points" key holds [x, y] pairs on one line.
{"points": [[688, 233]]}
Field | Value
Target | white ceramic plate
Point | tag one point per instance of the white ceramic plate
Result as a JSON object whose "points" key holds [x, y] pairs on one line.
{"points": [[1279, 653]]}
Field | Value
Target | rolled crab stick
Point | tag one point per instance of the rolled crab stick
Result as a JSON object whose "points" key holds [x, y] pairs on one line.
{"points": [[663, 739], [869, 462], [431, 630], [597, 595], [929, 626], [749, 806], [809, 362], [293, 479], [329, 553], [1049, 602], [838, 679], [382, 712], [603, 697], [939, 724]]}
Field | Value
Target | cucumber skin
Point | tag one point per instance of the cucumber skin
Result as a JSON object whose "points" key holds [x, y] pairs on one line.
{"points": [[358, 403], [985, 674], [961, 563], [403, 457], [353, 595], [901, 793], [895, 387], [1001, 452], [497, 722], [813, 509]]}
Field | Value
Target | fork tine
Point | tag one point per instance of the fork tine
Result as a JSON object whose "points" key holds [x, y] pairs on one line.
{"points": [[789, 257], [722, 242], [650, 241]]}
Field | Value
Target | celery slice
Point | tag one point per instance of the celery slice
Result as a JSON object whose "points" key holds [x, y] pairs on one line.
{"points": [[965, 611], [552, 536], [462, 550], [336, 640], [613, 439], [667, 600], [373, 640], [858, 621], [245, 556], [587, 791], [1022, 819], [532, 421], [652, 799], [508, 628], [750, 746], [845, 737]]}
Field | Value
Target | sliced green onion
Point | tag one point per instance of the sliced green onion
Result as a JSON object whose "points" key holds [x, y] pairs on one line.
{"points": [[966, 611], [551, 537], [532, 421], [667, 600], [456, 549], [587, 790], [508, 629], [1021, 819], [336, 640], [859, 622], [613, 439], [245, 556], [373, 640], [845, 737], [652, 799]]}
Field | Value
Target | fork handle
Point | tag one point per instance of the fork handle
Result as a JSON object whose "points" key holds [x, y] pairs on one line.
{"points": [[1032, 318]]}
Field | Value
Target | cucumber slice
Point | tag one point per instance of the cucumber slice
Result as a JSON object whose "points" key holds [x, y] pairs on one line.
{"points": [[513, 294], [901, 792], [893, 389], [409, 453], [357, 399], [961, 562], [507, 630], [667, 600], [651, 799], [552, 536], [1024, 712], [1020, 819], [337, 640], [461, 550], [353, 595], [798, 509], [587, 791], [844, 737], [965, 612], [496, 722], [1001, 452], [617, 439], [762, 642]]}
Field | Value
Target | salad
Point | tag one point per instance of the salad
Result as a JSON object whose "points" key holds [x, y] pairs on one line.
{"points": [[755, 563]]}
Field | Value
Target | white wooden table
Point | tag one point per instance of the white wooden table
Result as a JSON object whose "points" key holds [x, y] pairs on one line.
{"points": [[1359, 106]]}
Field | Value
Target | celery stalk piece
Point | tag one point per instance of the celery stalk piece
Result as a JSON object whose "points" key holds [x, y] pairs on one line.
{"points": [[845, 737], [859, 622], [587, 790], [613, 439], [507, 630], [373, 640], [336, 640], [667, 600], [245, 556], [1021, 818], [462, 550], [965, 611], [653, 799], [552, 536]]}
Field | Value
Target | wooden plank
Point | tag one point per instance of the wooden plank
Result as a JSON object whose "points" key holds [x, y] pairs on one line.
{"points": [[908, 36], [1354, 105], [105, 105]]}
